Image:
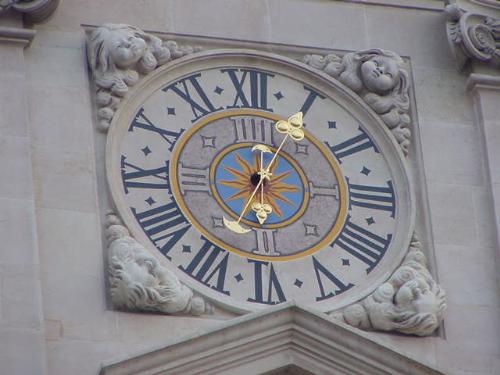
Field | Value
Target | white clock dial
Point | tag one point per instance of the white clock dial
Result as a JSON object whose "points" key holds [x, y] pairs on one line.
{"points": [[180, 161]]}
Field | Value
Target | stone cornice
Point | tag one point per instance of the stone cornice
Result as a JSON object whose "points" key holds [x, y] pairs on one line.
{"points": [[15, 35], [473, 36], [35, 10], [483, 80], [289, 335]]}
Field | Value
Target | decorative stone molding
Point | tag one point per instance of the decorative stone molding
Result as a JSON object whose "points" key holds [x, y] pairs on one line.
{"points": [[495, 4], [473, 36], [410, 302], [35, 10], [15, 35], [118, 55], [139, 283], [285, 339], [380, 78]]}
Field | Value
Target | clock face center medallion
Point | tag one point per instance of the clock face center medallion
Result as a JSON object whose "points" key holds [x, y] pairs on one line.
{"points": [[235, 181], [234, 168]]}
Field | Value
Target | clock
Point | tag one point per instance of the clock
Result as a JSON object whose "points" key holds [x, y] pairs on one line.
{"points": [[251, 208]]}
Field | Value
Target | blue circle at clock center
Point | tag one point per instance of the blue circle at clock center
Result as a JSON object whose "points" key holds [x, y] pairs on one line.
{"points": [[236, 178]]}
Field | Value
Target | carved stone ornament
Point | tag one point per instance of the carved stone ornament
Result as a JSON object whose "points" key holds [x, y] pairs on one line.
{"points": [[36, 10], [118, 55], [473, 36], [139, 283], [380, 78], [410, 302]]}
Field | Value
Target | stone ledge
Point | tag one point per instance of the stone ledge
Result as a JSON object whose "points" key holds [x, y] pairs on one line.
{"points": [[289, 335], [14, 35]]}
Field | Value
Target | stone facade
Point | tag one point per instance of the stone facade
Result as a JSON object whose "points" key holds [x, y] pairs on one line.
{"points": [[56, 315]]}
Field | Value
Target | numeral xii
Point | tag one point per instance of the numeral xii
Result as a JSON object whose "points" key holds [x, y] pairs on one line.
{"points": [[257, 83]]}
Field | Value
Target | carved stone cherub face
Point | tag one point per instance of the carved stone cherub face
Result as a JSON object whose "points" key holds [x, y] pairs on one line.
{"points": [[380, 74], [417, 296], [124, 47]]}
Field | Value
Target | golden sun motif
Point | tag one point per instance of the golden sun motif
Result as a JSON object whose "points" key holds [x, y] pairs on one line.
{"points": [[273, 189]]}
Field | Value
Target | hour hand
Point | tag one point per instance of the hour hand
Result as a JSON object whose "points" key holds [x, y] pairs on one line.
{"points": [[262, 210]]}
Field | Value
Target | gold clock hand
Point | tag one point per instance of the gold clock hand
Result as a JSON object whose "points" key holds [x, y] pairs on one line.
{"points": [[292, 128], [262, 209], [235, 225]]}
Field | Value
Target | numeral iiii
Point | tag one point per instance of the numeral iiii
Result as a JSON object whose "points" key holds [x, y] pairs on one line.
{"points": [[378, 198]]}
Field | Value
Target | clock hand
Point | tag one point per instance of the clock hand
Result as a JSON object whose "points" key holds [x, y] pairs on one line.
{"points": [[292, 128], [235, 225], [262, 209]]}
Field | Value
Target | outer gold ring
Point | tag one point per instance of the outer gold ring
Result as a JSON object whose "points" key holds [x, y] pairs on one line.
{"points": [[221, 202], [337, 227]]}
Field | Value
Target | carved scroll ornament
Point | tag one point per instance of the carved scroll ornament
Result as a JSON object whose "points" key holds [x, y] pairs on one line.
{"points": [[36, 10], [410, 302], [380, 78], [139, 283], [118, 55], [473, 36]]}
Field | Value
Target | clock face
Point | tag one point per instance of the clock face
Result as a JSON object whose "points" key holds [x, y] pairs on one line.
{"points": [[183, 168]]}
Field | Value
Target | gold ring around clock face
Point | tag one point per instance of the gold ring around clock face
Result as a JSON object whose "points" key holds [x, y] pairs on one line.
{"points": [[215, 156]]}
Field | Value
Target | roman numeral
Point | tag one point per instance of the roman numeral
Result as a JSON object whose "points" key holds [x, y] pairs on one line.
{"points": [[257, 87], [164, 225], [323, 190], [378, 198], [141, 121], [186, 89], [319, 269], [311, 97], [136, 177], [363, 244], [353, 145], [193, 179], [275, 293], [203, 268], [266, 244], [249, 129]]}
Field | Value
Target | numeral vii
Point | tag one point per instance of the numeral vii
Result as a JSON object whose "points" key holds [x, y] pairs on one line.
{"points": [[165, 225], [203, 268]]}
